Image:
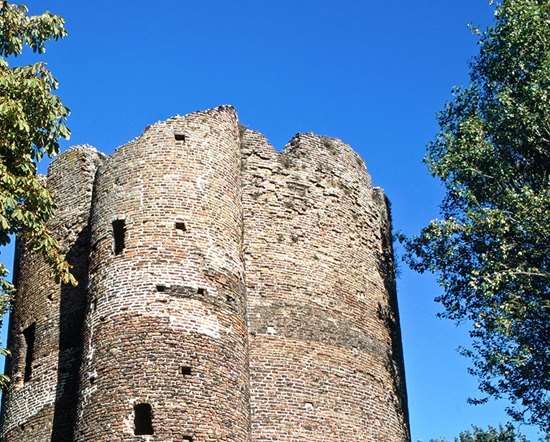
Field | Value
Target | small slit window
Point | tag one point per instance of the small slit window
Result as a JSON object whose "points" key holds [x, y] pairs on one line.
{"points": [[143, 419], [119, 233], [180, 225], [29, 335], [201, 291], [179, 137], [186, 370]]}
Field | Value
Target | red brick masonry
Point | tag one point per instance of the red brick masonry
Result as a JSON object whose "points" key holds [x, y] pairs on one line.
{"points": [[228, 292]]}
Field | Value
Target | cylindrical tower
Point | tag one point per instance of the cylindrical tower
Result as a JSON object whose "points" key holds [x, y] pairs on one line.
{"points": [[325, 350], [45, 334], [166, 350]]}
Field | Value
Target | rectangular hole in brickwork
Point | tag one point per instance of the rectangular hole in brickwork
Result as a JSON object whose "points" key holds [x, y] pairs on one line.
{"points": [[179, 137], [201, 291], [143, 419], [119, 233], [29, 335], [187, 439], [180, 225], [94, 305], [186, 370], [161, 288]]}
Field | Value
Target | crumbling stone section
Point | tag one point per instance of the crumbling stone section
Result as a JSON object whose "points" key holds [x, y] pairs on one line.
{"points": [[41, 399], [229, 292], [324, 361]]}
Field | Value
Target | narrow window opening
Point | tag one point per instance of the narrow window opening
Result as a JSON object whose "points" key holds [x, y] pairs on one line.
{"points": [[180, 225], [29, 335], [161, 288], [143, 416], [119, 233], [94, 305], [186, 371], [179, 137], [201, 291]]}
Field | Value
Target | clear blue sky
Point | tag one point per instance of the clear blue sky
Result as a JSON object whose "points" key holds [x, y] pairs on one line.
{"points": [[373, 73]]}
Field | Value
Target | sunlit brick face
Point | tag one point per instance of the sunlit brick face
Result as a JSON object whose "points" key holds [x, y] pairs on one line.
{"points": [[227, 292]]}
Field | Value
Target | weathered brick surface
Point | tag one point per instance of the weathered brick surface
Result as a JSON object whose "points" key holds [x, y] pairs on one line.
{"points": [[320, 295], [43, 407], [138, 338], [254, 299]]}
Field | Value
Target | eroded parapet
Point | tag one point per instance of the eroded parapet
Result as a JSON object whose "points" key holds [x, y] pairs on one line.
{"points": [[321, 352], [45, 326], [166, 338]]}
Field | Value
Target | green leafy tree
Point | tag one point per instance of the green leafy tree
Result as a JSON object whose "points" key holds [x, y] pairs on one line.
{"points": [[491, 434], [32, 119], [505, 433], [491, 247]]}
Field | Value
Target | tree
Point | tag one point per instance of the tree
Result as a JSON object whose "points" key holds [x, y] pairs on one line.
{"points": [[490, 249], [32, 119], [492, 434], [505, 433]]}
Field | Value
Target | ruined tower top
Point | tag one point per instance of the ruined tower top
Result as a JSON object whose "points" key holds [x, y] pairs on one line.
{"points": [[227, 292]]}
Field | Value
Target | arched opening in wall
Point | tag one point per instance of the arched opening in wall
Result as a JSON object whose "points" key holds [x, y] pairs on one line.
{"points": [[143, 419], [29, 336], [119, 234]]}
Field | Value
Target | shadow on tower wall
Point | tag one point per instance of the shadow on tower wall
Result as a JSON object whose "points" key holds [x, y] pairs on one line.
{"points": [[389, 314], [72, 311]]}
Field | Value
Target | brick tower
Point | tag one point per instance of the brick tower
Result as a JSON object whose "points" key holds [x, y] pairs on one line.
{"points": [[228, 292]]}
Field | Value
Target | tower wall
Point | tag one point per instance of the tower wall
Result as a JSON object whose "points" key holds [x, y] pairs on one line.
{"points": [[228, 292], [325, 355], [41, 408], [166, 320]]}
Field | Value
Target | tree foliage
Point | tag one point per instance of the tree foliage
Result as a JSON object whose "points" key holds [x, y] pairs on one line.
{"points": [[32, 119], [491, 247], [491, 434], [505, 433]]}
